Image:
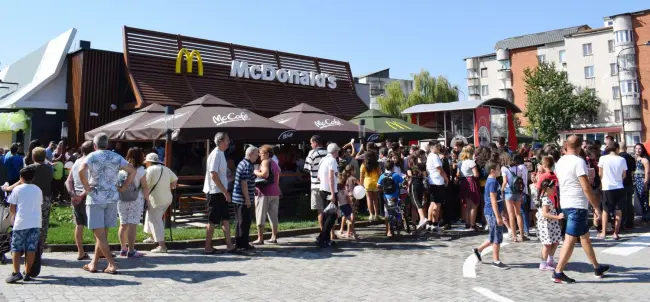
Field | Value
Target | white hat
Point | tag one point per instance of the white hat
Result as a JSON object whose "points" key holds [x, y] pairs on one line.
{"points": [[333, 147], [152, 157]]}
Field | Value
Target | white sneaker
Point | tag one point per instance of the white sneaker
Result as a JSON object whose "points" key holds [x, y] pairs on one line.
{"points": [[148, 240], [423, 223], [159, 250], [371, 218]]}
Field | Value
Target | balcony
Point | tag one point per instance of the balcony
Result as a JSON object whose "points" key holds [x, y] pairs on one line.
{"points": [[502, 54], [505, 94], [473, 82], [504, 74], [471, 63], [506, 85], [474, 90]]}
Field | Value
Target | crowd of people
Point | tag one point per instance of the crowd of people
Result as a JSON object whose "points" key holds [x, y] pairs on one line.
{"points": [[480, 188]]}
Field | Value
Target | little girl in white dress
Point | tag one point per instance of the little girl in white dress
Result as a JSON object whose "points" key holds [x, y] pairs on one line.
{"points": [[548, 225]]}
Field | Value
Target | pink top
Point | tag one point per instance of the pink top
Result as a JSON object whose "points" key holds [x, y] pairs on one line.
{"points": [[273, 189]]}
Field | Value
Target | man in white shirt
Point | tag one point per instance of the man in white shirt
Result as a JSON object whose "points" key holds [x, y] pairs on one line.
{"points": [[613, 170], [576, 195], [438, 181], [214, 186], [328, 175]]}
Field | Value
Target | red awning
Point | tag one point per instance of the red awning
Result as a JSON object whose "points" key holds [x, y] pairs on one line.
{"points": [[594, 130]]}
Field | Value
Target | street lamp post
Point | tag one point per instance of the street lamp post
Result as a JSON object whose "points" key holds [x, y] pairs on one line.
{"points": [[460, 91], [620, 90]]}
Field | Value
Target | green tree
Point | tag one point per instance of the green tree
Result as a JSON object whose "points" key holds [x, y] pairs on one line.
{"points": [[427, 89], [553, 103]]}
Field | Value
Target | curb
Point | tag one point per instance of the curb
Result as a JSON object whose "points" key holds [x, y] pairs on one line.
{"points": [[196, 243]]}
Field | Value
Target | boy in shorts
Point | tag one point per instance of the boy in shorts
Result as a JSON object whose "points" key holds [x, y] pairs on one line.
{"points": [[493, 211], [25, 200]]}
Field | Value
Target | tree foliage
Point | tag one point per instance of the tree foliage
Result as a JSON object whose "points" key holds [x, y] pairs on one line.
{"points": [[427, 89], [553, 103]]}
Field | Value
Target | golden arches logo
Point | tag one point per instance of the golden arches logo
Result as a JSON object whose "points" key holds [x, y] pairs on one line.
{"points": [[397, 125], [189, 57]]}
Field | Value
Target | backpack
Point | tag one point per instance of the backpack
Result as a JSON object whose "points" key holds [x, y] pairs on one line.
{"points": [[388, 184], [130, 193], [515, 182]]}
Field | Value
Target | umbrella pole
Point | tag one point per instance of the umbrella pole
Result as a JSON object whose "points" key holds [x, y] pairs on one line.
{"points": [[168, 164]]}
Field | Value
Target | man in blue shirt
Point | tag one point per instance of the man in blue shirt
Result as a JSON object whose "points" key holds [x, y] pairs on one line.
{"points": [[243, 193], [13, 163], [390, 182], [49, 151]]}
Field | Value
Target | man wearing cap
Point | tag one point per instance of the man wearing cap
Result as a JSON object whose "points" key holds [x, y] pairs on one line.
{"points": [[328, 174]]}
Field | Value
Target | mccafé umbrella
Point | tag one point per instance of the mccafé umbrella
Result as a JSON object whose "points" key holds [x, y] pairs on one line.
{"points": [[115, 130], [307, 121], [386, 126], [202, 118]]}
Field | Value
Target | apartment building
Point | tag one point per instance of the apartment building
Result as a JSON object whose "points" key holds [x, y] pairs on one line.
{"points": [[589, 56], [378, 81]]}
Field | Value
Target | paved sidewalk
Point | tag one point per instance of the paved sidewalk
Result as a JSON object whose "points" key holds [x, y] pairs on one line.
{"points": [[374, 269]]}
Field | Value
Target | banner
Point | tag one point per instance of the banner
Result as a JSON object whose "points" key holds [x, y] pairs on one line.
{"points": [[482, 131]]}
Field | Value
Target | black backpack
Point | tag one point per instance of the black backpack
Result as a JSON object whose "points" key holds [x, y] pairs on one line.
{"points": [[516, 182], [388, 184]]}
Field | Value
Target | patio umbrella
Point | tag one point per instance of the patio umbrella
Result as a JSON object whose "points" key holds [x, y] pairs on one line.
{"points": [[386, 126], [307, 121], [202, 118], [115, 130]]}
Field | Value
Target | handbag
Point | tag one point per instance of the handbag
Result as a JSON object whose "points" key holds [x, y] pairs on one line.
{"points": [[269, 180]]}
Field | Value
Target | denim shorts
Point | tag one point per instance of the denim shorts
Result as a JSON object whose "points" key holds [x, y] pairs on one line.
{"points": [[25, 240], [496, 231], [508, 195], [346, 209], [577, 223]]}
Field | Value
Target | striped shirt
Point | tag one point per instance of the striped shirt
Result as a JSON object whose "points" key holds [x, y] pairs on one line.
{"points": [[312, 163], [244, 173]]}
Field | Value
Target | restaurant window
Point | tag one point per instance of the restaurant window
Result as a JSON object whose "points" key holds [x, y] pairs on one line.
{"points": [[484, 73], [610, 46], [586, 49], [617, 116], [498, 122], [484, 90], [461, 123], [612, 69], [589, 72], [561, 54]]}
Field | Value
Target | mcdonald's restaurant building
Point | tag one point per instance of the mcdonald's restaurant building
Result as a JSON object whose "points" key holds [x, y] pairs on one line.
{"points": [[171, 69]]}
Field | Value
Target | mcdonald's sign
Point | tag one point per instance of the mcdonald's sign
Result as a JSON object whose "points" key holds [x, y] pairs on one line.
{"points": [[189, 57], [395, 125]]}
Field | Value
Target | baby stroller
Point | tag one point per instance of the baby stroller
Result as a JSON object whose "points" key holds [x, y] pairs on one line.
{"points": [[5, 225]]}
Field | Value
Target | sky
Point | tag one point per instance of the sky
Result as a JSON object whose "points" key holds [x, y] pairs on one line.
{"points": [[405, 36]]}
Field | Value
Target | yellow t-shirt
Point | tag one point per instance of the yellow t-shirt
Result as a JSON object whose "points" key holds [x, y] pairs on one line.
{"points": [[371, 178]]}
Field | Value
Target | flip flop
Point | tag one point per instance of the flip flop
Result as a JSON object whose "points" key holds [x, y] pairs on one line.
{"points": [[113, 272], [84, 257], [86, 267], [214, 251]]}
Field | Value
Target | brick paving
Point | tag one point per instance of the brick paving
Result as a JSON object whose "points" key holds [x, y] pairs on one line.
{"points": [[374, 269]]}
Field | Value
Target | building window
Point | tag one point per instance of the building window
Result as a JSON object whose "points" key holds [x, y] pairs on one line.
{"points": [[473, 90], [617, 116], [629, 87], [505, 64], [484, 72], [541, 58], [589, 72], [616, 92], [586, 49], [610, 46], [561, 54], [591, 91], [612, 69], [610, 23], [484, 90], [623, 36]]}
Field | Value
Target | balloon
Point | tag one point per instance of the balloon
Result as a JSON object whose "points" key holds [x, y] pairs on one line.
{"points": [[359, 192]]}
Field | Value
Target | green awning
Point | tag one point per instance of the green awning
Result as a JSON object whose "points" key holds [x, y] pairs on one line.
{"points": [[389, 127]]}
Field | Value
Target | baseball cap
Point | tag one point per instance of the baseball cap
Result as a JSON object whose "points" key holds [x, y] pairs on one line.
{"points": [[333, 147]]}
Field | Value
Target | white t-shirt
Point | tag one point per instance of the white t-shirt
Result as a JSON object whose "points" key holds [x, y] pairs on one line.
{"points": [[433, 162], [568, 169], [326, 164], [78, 186], [28, 199], [613, 167], [216, 163], [467, 167]]}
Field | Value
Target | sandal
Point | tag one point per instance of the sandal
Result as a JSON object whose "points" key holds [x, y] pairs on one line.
{"points": [[86, 267], [258, 242], [617, 237], [599, 236], [273, 241], [84, 257], [110, 272], [212, 252]]}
